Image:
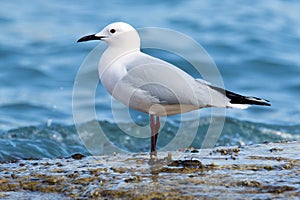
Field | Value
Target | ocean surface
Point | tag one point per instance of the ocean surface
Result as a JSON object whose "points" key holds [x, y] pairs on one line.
{"points": [[254, 44]]}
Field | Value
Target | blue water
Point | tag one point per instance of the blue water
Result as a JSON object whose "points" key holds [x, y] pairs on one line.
{"points": [[255, 45]]}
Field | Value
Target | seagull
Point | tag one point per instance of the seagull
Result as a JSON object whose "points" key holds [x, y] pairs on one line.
{"points": [[152, 85]]}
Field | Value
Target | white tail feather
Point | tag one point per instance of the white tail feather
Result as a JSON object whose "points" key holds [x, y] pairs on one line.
{"points": [[239, 106]]}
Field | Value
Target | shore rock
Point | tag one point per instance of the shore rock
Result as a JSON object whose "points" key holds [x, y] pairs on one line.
{"points": [[258, 171]]}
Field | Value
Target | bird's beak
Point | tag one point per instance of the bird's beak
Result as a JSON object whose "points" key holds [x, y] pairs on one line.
{"points": [[90, 37]]}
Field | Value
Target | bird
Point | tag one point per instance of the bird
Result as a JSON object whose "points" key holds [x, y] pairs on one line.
{"points": [[152, 85]]}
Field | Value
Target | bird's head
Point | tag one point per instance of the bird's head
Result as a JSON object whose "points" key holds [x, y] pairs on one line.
{"points": [[118, 34]]}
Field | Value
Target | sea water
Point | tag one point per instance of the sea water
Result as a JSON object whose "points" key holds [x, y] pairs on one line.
{"points": [[255, 46]]}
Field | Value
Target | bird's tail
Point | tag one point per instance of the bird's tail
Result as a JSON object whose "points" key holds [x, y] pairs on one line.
{"points": [[240, 101]]}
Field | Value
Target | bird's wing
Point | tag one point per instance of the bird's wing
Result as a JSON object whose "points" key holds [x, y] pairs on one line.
{"points": [[163, 82]]}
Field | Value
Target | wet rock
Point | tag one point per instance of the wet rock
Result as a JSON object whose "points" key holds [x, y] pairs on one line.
{"points": [[77, 156], [84, 180], [132, 179], [249, 172], [274, 149], [186, 163], [51, 180], [30, 185]]}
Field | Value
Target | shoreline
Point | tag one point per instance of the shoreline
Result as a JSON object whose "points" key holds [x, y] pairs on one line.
{"points": [[256, 171]]}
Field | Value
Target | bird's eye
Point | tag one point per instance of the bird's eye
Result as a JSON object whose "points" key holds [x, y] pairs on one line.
{"points": [[112, 30]]}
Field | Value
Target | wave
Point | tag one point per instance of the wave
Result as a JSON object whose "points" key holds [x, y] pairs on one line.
{"points": [[58, 140]]}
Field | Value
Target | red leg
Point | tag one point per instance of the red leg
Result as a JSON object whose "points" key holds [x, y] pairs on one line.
{"points": [[154, 125]]}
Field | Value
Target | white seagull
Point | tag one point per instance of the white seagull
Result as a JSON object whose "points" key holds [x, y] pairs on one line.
{"points": [[154, 86]]}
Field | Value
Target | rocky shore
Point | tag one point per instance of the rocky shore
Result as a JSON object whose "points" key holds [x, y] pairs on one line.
{"points": [[261, 171]]}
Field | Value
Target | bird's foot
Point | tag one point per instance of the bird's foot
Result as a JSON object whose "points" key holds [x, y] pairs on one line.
{"points": [[153, 154], [153, 158]]}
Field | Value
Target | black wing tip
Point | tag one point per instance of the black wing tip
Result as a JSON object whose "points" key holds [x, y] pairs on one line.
{"points": [[259, 101], [262, 103], [240, 99]]}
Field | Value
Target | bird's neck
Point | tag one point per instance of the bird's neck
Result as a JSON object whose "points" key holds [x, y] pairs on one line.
{"points": [[112, 54]]}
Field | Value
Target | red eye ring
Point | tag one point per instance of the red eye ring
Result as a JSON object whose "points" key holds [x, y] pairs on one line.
{"points": [[112, 30]]}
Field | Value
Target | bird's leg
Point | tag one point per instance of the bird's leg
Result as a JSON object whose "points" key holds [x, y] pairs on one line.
{"points": [[154, 125]]}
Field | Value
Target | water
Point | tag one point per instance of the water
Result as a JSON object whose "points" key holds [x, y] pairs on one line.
{"points": [[256, 48]]}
